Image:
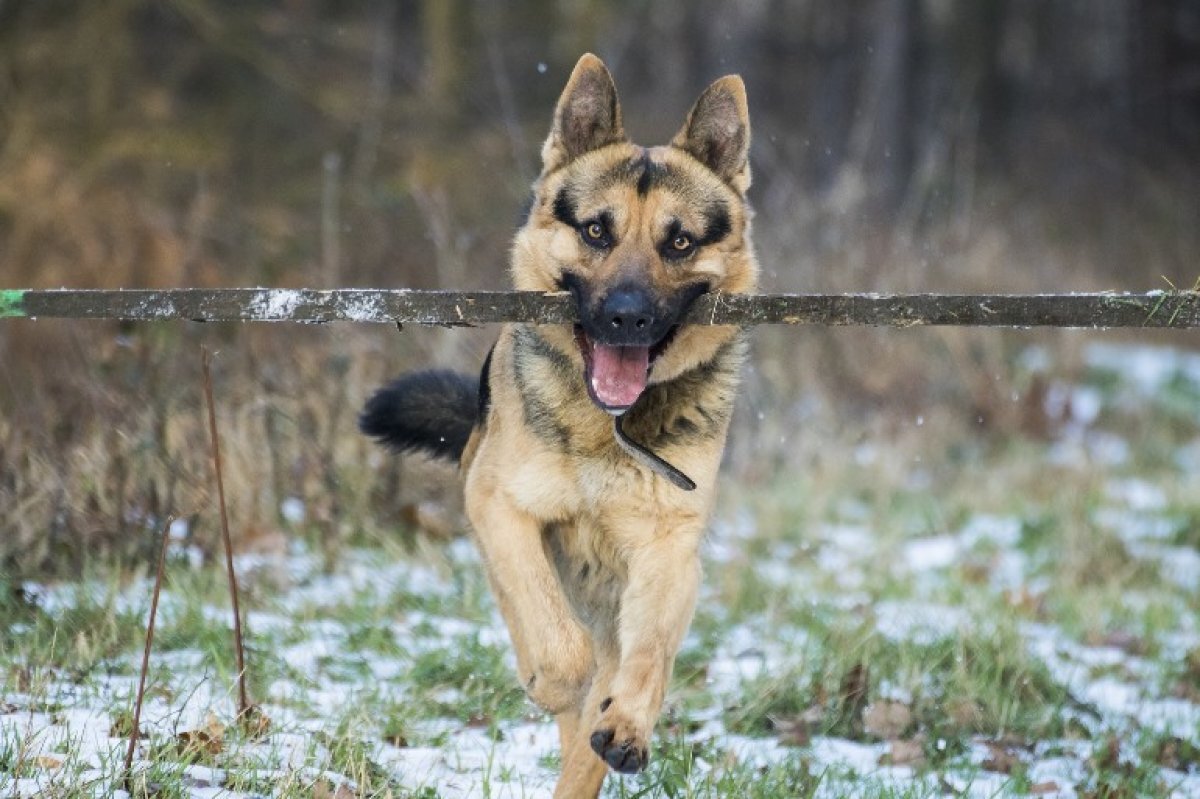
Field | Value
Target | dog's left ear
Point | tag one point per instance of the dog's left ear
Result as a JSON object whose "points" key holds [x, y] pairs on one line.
{"points": [[717, 132], [587, 117]]}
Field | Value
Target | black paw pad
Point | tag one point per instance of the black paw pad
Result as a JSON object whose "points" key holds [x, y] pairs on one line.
{"points": [[600, 740], [625, 757]]}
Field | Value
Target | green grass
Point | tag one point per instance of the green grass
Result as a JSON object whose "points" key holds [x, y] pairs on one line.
{"points": [[376, 668]]}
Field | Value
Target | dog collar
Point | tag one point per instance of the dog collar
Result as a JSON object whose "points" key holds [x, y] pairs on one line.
{"points": [[651, 461]]}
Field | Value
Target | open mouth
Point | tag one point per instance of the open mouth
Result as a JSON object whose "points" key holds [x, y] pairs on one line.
{"points": [[616, 375]]}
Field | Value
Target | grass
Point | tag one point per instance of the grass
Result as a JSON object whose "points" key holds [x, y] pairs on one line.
{"points": [[887, 624]]}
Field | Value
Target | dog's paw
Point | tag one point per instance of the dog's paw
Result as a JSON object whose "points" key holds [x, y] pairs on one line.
{"points": [[618, 744], [560, 676]]}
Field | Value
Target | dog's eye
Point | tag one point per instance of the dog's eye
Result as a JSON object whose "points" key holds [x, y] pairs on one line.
{"points": [[595, 234], [680, 245]]}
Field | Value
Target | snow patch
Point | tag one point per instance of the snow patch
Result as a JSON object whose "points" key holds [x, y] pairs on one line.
{"points": [[275, 304]]}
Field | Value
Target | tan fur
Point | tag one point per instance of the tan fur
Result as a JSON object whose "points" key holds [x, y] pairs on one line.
{"points": [[592, 558]]}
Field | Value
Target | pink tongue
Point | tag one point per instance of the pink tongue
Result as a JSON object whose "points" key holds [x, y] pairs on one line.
{"points": [[619, 373]]}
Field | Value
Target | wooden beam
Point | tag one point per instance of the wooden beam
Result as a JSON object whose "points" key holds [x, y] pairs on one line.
{"points": [[1170, 309]]}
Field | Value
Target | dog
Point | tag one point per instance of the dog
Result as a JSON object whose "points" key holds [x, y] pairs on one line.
{"points": [[589, 452]]}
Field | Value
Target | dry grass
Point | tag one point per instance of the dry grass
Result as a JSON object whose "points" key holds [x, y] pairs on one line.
{"points": [[117, 440]]}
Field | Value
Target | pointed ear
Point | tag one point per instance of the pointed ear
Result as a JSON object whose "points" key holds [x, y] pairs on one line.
{"points": [[587, 116], [717, 131]]}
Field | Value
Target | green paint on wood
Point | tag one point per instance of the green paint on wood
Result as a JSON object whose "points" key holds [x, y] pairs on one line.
{"points": [[12, 303]]}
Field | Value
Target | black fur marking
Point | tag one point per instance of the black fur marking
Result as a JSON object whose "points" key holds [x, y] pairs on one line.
{"points": [[678, 304], [652, 174], [485, 386], [683, 411], [432, 412], [644, 174], [570, 281], [564, 208], [716, 224], [528, 338], [540, 415]]}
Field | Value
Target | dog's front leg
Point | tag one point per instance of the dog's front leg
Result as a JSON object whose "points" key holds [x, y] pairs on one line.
{"points": [[554, 651], [582, 772], [656, 609]]}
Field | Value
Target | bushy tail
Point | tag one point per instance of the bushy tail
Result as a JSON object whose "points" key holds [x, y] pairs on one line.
{"points": [[431, 412]]}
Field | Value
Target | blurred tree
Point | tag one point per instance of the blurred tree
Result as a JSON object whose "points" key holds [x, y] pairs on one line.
{"points": [[211, 121]]}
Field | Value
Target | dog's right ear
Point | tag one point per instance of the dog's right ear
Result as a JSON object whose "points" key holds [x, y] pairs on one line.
{"points": [[587, 117]]}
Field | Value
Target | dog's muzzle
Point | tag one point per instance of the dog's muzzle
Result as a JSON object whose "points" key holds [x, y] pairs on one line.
{"points": [[621, 334]]}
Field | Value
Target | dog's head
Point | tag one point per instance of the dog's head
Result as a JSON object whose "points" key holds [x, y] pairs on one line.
{"points": [[637, 234]]}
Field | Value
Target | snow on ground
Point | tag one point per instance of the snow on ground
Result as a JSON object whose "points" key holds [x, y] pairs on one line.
{"points": [[61, 731]]}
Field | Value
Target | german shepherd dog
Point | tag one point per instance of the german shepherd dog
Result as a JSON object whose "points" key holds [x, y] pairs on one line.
{"points": [[590, 451]]}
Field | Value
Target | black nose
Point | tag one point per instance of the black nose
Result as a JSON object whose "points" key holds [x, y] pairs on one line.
{"points": [[627, 313]]}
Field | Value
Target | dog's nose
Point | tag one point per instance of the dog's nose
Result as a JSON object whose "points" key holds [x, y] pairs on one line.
{"points": [[627, 310]]}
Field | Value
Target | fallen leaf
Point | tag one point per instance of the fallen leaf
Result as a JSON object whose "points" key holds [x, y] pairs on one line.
{"points": [[976, 572], [1176, 753], [1000, 759], [1184, 689], [887, 719], [324, 790], [208, 740], [22, 678], [1119, 639], [905, 753], [965, 713], [1025, 601], [253, 722], [793, 731], [1041, 788], [813, 714], [479, 721], [797, 730], [853, 695], [47, 762], [1192, 661], [1108, 756]]}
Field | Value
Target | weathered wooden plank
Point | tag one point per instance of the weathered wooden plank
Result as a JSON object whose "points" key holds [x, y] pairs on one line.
{"points": [[1173, 309]]}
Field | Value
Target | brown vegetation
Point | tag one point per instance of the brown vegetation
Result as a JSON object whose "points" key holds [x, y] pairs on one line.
{"points": [[1023, 145]]}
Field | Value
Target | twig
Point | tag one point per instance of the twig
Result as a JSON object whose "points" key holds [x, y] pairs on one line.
{"points": [[243, 699], [141, 691]]}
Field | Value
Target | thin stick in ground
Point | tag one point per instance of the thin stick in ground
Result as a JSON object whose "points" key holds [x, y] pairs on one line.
{"points": [[141, 691], [239, 649]]}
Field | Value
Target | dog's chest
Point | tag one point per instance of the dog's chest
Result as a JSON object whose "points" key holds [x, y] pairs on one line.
{"points": [[591, 570], [689, 411]]}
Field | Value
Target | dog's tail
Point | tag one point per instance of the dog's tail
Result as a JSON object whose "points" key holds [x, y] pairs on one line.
{"points": [[432, 412]]}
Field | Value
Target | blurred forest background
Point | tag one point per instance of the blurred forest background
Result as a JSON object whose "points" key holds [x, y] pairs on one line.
{"points": [[917, 145]]}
